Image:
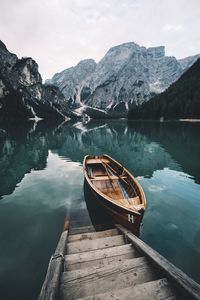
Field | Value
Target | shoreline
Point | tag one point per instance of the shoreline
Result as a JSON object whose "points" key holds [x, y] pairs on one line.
{"points": [[165, 121], [189, 120]]}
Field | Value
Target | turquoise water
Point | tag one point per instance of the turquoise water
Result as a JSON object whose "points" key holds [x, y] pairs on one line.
{"points": [[42, 181]]}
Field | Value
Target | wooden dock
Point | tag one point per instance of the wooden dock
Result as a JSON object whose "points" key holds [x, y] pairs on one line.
{"points": [[112, 264]]}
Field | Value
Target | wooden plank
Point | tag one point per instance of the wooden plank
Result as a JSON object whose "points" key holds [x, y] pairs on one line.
{"points": [[81, 246], [183, 282], [106, 279], [158, 289], [50, 286], [109, 188], [99, 254], [96, 160], [92, 235], [81, 229], [99, 263], [90, 228], [61, 247], [95, 271]]}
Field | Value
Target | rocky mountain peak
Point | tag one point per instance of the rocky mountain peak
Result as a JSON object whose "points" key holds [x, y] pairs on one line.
{"points": [[126, 76], [26, 69], [156, 52], [7, 60], [87, 63], [2, 46], [22, 94], [130, 46], [179, 101], [71, 80], [188, 61]]}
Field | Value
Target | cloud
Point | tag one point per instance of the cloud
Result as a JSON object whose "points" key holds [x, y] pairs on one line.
{"points": [[174, 28], [59, 33], [156, 188]]}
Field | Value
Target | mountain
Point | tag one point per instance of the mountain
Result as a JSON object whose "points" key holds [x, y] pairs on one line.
{"points": [[71, 81], [22, 94], [188, 61], [180, 101], [125, 77]]}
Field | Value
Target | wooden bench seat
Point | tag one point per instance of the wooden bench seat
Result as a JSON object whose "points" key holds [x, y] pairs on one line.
{"points": [[97, 161]]}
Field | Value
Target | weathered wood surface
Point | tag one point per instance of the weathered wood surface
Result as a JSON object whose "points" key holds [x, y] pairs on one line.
{"points": [[99, 263], [90, 256], [50, 288], [84, 229], [102, 266], [180, 280], [61, 247], [94, 172], [115, 268], [77, 230], [158, 289], [92, 235], [126, 274], [81, 246]]}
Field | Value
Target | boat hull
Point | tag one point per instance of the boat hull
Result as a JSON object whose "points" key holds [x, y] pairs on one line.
{"points": [[120, 215]]}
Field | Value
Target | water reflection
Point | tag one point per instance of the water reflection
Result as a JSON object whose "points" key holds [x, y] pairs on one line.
{"points": [[41, 179], [143, 147]]}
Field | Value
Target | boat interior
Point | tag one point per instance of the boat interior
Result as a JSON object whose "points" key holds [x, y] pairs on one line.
{"points": [[112, 180]]}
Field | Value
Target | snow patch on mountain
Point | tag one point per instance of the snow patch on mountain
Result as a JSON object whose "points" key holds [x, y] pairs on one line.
{"points": [[72, 80], [126, 76]]}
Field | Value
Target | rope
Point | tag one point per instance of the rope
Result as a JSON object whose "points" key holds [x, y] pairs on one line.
{"points": [[57, 255]]}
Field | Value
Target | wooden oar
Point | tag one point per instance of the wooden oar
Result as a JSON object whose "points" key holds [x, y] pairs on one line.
{"points": [[129, 184], [116, 173], [104, 164]]}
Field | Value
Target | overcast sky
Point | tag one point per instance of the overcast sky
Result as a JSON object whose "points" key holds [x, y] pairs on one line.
{"points": [[60, 33]]}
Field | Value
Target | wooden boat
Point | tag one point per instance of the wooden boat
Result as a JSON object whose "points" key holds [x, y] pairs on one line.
{"points": [[116, 189]]}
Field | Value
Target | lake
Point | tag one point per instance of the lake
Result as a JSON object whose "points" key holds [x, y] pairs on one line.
{"points": [[42, 181]]}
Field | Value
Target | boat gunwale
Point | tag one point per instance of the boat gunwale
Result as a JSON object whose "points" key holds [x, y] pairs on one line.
{"points": [[98, 191]]}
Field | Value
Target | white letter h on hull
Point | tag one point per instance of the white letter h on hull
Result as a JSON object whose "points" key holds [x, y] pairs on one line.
{"points": [[131, 218]]}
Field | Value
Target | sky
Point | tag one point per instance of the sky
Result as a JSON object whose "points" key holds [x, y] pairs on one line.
{"points": [[60, 33]]}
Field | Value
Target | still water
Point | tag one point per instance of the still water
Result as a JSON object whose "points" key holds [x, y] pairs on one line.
{"points": [[41, 181]]}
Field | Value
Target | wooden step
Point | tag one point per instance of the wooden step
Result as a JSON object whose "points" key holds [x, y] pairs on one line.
{"points": [[99, 263], [102, 243], [92, 235], [80, 273], [82, 283], [98, 254], [158, 289], [82, 229], [90, 228]]}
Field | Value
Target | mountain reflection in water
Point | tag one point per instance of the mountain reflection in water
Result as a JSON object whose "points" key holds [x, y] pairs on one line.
{"points": [[151, 146], [42, 180]]}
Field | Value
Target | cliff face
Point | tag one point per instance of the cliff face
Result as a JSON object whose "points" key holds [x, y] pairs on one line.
{"points": [[22, 94], [72, 80], [180, 101], [125, 77]]}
